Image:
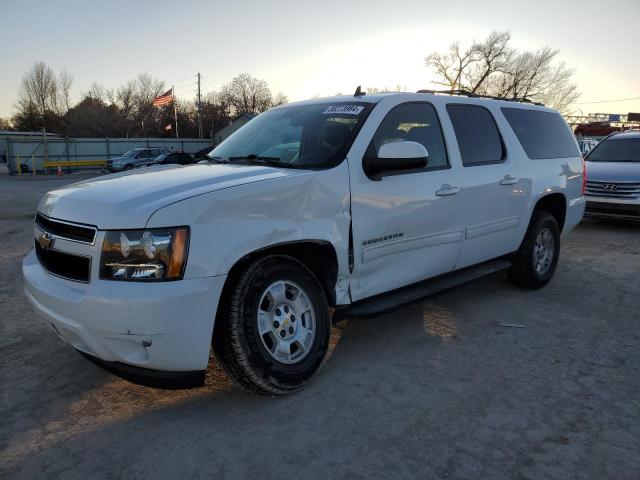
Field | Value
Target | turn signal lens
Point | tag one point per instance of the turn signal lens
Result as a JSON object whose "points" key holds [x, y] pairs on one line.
{"points": [[584, 177]]}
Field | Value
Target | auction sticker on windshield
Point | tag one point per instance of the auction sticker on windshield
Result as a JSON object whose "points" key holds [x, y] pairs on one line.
{"points": [[346, 108]]}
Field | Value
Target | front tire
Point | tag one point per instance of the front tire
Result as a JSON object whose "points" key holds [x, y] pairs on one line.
{"points": [[535, 262], [275, 327]]}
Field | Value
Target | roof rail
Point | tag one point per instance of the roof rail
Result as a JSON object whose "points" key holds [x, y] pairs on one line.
{"points": [[467, 93]]}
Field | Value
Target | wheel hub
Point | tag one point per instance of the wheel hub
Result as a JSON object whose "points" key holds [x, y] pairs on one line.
{"points": [[543, 251], [286, 322]]}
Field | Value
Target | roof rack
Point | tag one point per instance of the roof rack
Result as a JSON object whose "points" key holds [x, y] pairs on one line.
{"points": [[467, 93]]}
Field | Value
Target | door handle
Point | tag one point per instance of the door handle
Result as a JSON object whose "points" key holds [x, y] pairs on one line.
{"points": [[447, 190], [509, 180]]}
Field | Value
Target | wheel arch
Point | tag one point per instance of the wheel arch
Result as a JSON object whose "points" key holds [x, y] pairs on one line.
{"points": [[319, 256], [555, 204]]}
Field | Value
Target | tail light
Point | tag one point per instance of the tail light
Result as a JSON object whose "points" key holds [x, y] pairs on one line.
{"points": [[584, 177]]}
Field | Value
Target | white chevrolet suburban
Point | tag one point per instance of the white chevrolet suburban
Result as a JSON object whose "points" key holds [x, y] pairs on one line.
{"points": [[342, 206]]}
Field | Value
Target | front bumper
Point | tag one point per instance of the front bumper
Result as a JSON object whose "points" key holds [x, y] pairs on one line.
{"points": [[607, 208], [164, 326], [114, 167]]}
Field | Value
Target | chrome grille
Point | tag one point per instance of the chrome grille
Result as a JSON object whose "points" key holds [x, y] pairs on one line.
{"points": [[628, 190], [66, 230]]}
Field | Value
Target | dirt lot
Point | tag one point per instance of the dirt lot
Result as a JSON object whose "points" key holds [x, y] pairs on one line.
{"points": [[441, 389]]}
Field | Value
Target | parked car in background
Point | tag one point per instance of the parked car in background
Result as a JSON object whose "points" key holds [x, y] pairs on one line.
{"points": [[178, 158], [598, 129], [203, 153], [613, 177], [136, 157], [350, 205], [586, 144]]}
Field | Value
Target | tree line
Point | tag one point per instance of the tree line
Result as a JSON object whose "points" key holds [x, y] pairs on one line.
{"points": [[128, 111], [490, 67]]}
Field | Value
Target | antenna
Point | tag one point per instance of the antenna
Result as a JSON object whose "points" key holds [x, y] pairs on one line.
{"points": [[359, 92]]}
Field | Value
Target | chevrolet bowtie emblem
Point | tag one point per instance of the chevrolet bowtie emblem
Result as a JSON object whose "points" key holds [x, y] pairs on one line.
{"points": [[46, 241]]}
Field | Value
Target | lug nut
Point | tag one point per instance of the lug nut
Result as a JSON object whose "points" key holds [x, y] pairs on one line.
{"points": [[293, 317], [286, 309], [290, 329], [278, 312], [276, 324], [283, 333]]}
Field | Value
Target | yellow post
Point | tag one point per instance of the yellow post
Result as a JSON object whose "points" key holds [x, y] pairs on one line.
{"points": [[19, 167], [33, 166]]}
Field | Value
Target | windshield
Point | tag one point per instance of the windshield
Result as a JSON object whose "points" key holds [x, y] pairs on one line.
{"points": [[130, 153], [304, 136], [616, 150]]}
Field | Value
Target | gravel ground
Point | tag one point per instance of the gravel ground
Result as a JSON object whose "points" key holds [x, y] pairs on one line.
{"points": [[485, 381]]}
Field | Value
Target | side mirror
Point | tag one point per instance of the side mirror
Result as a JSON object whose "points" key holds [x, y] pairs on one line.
{"points": [[398, 156]]}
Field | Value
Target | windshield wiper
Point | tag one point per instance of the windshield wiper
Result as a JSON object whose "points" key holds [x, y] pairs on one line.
{"points": [[215, 159], [252, 157]]}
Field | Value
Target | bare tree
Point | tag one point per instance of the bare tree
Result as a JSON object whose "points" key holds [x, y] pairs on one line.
{"points": [[96, 92], [492, 56], [65, 81], [492, 67], [38, 92], [397, 88], [247, 94], [5, 124], [451, 66], [146, 88], [279, 99]]}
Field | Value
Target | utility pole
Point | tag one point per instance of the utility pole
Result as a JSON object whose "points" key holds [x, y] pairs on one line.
{"points": [[199, 109]]}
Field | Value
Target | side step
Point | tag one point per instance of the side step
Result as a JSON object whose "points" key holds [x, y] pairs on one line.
{"points": [[418, 291]]}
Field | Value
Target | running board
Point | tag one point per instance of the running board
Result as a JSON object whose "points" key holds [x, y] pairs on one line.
{"points": [[387, 301]]}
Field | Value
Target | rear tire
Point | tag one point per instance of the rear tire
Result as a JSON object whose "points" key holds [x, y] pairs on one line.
{"points": [[535, 262], [274, 328]]}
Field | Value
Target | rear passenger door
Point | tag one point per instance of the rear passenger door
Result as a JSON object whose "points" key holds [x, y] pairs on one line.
{"points": [[492, 201]]}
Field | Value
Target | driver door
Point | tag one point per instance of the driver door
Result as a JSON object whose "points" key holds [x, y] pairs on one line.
{"points": [[406, 224]]}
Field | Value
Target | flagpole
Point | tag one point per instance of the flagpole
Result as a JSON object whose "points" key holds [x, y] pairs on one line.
{"points": [[175, 110]]}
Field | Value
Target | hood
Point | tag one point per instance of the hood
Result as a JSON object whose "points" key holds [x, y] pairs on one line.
{"points": [[613, 171], [128, 199]]}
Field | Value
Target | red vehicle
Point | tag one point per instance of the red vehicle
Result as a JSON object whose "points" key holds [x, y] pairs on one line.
{"points": [[597, 129]]}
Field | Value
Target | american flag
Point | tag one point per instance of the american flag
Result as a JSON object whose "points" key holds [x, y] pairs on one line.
{"points": [[165, 99]]}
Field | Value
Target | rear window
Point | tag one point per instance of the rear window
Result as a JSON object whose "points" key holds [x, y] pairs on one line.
{"points": [[477, 134], [542, 134]]}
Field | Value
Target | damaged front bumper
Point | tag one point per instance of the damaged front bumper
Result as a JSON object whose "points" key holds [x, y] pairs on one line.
{"points": [[162, 326]]}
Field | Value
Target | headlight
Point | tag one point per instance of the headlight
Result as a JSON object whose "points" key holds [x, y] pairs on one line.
{"points": [[145, 255]]}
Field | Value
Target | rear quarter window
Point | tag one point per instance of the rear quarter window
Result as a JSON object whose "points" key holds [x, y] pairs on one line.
{"points": [[543, 135]]}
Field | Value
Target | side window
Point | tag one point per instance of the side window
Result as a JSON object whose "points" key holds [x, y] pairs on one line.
{"points": [[541, 134], [477, 134], [413, 122]]}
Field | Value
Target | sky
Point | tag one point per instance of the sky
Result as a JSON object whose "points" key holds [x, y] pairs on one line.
{"points": [[310, 48]]}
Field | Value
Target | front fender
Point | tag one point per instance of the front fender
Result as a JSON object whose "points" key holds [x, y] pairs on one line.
{"points": [[228, 224]]}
